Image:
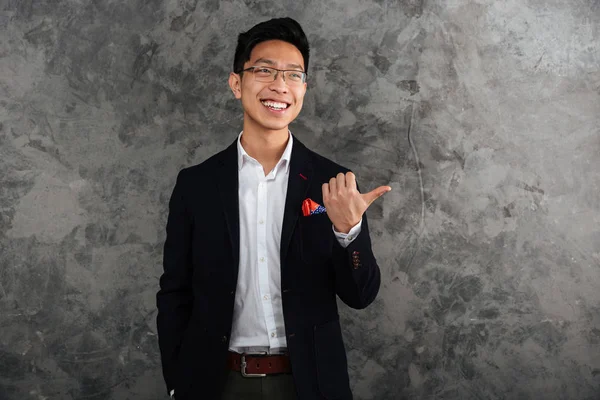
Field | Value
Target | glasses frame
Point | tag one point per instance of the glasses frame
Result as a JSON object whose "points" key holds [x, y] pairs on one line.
{"points": [[252, 68]]}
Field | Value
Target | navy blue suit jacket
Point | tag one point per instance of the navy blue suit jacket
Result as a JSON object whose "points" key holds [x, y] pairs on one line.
{"points": [[201, 256]]}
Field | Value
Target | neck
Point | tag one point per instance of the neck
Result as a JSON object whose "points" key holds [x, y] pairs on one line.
{"points": [[265, 146]]}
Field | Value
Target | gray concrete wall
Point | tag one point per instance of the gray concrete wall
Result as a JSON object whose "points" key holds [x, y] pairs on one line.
{"points": [[482, 115]]}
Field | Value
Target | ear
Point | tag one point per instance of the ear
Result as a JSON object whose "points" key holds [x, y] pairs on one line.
{"points": [[235, 83]]}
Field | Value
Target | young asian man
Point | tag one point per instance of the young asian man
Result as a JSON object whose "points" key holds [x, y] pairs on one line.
{"points": [[261, 239]]}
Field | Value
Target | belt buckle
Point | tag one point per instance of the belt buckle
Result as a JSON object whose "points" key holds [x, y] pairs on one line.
{"points": [[244, 364]]}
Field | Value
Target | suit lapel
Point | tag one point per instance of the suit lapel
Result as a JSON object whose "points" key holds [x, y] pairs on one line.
{"points": [[227, 181], [296, 192]]}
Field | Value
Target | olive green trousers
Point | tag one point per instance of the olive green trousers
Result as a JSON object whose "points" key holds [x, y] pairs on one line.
{"points": [[270, 387]]}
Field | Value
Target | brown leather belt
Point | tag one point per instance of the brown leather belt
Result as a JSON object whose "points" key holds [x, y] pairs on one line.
{"points": [[259, 365]]}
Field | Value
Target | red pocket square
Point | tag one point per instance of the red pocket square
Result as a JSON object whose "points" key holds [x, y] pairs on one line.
{"points": [[309, 207]]}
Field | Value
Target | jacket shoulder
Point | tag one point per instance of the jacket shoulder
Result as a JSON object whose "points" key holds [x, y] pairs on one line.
{"points": [[205, 167]]}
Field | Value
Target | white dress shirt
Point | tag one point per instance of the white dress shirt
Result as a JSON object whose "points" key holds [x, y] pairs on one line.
{"points": [[258, 313]]}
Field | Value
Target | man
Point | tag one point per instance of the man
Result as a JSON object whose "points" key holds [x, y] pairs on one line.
{"points": [[260, 239]]}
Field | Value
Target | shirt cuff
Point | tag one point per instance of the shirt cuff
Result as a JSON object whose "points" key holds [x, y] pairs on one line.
{"points": [[346, 238], [172, 392]]}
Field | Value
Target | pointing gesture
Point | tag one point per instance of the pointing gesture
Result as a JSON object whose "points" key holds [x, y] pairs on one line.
{"points": [[345, 205]]}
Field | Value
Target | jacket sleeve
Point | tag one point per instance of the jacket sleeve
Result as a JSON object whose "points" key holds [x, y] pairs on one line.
{"points": [[357, 275], [174, 299]]}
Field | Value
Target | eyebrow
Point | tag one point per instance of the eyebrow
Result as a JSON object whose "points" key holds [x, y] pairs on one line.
{"points": [[271, 62]]}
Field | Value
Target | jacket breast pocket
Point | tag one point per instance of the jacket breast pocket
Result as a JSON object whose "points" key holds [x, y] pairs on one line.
{"points": [[332, 365]]}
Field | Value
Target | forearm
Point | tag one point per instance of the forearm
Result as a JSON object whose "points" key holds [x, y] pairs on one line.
{"points": [[357, 275]]}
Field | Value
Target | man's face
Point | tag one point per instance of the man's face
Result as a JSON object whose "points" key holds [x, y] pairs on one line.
{"points": [[259, 98]]}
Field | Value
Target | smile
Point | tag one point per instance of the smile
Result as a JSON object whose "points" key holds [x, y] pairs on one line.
{"points": [[275, 106]]}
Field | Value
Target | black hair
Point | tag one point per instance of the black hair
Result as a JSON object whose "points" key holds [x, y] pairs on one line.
{"points": [[285, 29]]}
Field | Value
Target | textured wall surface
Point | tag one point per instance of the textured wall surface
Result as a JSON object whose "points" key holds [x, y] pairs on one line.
{"points": [[482, 115]]}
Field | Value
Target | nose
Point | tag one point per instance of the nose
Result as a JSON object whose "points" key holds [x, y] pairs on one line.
{"points": [[279, 84]]}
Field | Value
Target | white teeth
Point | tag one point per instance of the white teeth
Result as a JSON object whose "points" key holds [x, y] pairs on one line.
{"points": [[275, 104]]}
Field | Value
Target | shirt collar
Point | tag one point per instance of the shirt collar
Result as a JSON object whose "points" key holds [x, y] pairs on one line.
{"points": [[285, 157]]}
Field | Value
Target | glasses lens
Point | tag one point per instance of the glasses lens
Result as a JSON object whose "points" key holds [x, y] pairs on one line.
{"points": [[294, 76], [264, 74]]}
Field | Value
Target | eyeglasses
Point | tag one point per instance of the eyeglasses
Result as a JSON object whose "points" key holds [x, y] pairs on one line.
{"points": [[268, 74]]}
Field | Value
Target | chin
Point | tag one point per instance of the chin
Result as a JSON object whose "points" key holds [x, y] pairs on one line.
{"points": [[275, 125], [271, 123]]}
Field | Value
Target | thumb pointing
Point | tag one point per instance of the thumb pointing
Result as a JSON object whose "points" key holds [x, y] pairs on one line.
{"points": [[376, 193]]}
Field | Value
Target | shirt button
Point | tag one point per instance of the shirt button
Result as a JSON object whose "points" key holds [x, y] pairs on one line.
{"points": [[266, 297], [272, 334], [349, 237], [262, 259], [261, 222]]}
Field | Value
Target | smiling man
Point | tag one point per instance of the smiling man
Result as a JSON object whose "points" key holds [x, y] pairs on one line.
{"points": [[261, 239]]}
